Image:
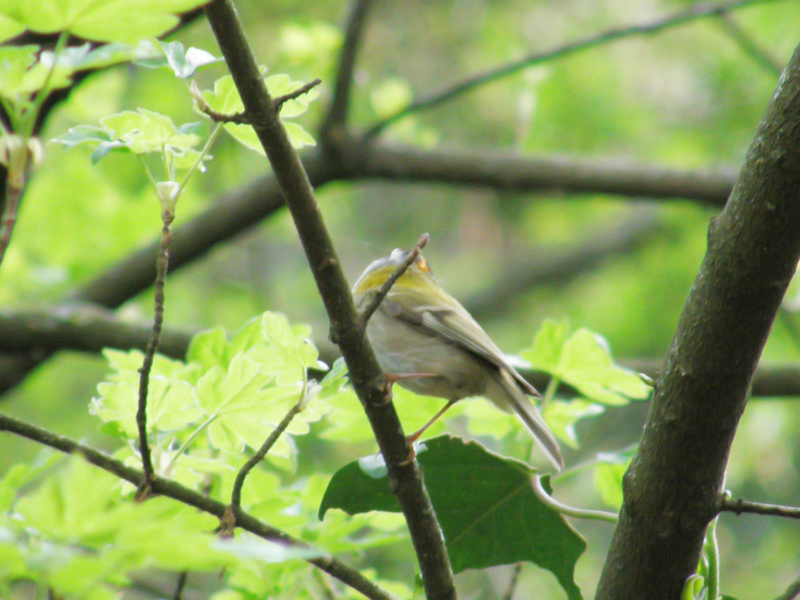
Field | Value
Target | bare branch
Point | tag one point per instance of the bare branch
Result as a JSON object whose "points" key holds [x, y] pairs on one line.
{"points": [[303, 89], [505, 170], [236, 494], [740, 506], [337, 113], [365, 372], [379, 296], [559, 266], [749, 45], [696, 11], [179, 585], [176, 491], [243, 208], [83, 327], [162, 266]]}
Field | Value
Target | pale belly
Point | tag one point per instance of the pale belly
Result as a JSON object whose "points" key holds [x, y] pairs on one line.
{"points": [[444, 370]]}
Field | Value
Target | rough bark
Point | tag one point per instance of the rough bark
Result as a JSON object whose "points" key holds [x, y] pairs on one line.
{"points": [[673, 485]]}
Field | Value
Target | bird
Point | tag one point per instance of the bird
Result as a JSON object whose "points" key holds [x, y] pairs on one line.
{"points": [[427, 342]]}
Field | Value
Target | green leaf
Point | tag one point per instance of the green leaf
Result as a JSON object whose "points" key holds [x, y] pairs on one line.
{"points": [[299, 136], [184, 63], [22, 73], [62, 508], [171, 404], [485, 505], [583, 361], [125, 21], [83, 134], [245, 404], [562, 417], [146, 131], [20, 474], [282, 353], [9, 28], [211, 348]]}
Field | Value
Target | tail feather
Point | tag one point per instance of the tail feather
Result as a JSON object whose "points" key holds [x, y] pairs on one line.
{"points": [[515, 399]]}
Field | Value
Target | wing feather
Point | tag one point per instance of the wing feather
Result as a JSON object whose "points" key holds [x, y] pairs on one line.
{"points": [[452, 322]]}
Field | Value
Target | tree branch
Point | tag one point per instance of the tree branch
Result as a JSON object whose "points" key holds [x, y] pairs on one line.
{"points": [[384, 290], [561, 265], [176, 491], [672, 486], [82, 327], [88, 328], [365, 373], [696, 11], [749, 45], [738, 507], [337, 112], [243, 208], [505, 170]]}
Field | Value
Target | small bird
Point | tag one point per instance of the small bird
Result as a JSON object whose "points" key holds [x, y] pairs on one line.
{"points": [[428, 343]]}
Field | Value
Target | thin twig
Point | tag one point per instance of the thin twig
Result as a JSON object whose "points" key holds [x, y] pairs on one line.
{"points": [[379, 296], [239, 118], [303, 89], [236, 494], [696, 11], [180, 584], [749, 45], [337, 113], [726, 504], [512, 583], [580, 513], [16, 181], [162, 265], [176, 491]]}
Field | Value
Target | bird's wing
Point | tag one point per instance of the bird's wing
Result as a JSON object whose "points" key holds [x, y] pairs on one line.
{"points": [[452, 322]]}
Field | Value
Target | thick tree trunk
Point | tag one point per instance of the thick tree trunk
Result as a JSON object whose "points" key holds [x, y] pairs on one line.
{"points": [[673, 485]]}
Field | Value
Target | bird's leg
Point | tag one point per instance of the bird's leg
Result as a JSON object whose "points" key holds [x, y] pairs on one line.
{"points": [[412, 453], [416, 435]]}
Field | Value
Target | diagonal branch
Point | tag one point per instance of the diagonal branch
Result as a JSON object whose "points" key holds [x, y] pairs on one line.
{"points": [[562, 265], [176, 491], [696, 11], [749, 45], [365, 373], [672, 487], [337, 113], [384, 290]]}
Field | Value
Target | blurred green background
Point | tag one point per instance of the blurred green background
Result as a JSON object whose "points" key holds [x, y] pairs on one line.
{"points": [[688, 97]]}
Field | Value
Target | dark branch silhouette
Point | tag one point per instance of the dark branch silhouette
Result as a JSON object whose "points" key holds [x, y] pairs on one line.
{"points": [[673, 484], [365, 373]]}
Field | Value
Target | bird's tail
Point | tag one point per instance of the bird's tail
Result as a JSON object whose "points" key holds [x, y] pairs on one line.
{"points": [[513, 398]]}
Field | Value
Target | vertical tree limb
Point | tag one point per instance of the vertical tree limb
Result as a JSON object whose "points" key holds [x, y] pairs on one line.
{"points": [[673, 484]]}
